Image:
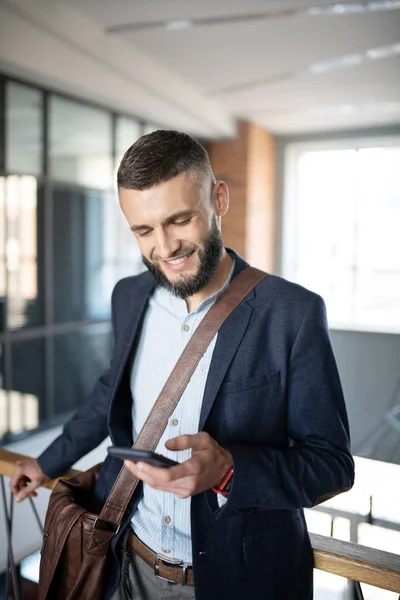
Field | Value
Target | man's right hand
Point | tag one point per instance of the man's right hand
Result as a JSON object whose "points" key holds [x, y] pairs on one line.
{"points": [[26, 477]]}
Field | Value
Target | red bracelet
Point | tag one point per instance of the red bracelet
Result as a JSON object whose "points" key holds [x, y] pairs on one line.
{"points": [[222, 487]]}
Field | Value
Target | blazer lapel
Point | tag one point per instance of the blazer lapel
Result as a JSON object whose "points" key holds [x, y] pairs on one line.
{"points": [[228, 340], [229, 337]]}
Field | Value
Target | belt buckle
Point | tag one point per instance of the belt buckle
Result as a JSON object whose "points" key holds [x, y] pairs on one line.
{"points": [[173, 563]]}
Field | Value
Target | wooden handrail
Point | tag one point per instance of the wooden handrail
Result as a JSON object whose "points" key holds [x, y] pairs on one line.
{"points": [[7, 464], [353, 561], [360, 563]]}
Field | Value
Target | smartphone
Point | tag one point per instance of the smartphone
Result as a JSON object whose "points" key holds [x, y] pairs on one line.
{"points": [[157, 460]]}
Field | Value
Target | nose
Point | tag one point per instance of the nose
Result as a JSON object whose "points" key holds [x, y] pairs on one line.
{"points": [[166, 245]]}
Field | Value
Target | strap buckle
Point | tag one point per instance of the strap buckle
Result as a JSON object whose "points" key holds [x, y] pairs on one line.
{"points": [[108, 525]]}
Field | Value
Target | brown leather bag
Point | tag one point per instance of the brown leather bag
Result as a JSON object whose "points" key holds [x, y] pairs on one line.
{"points": [[77, 533]]}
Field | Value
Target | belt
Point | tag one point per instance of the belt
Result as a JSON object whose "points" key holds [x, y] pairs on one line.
{"points": [[174, 571]]}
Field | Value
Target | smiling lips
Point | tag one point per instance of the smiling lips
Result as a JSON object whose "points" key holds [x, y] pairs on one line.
{"points": [[178, 263]]}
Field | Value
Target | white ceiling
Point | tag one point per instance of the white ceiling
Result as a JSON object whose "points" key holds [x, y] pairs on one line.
{"points": [[258, 68]]}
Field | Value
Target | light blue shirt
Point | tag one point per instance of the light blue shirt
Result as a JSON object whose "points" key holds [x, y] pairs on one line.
{"points": [[162, 521]]}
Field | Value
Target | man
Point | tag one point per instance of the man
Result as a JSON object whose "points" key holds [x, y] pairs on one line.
{"points": [[263, 411]]}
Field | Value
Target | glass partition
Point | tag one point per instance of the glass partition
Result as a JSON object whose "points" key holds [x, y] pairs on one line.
{"points": [[24, 129], [80, 144]]}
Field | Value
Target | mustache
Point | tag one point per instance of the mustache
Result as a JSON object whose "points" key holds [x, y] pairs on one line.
{"points": [[209, 258], [177, 254]]}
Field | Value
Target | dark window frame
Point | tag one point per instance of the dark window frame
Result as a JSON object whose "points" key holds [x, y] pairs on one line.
{"points": [[49, 329]]}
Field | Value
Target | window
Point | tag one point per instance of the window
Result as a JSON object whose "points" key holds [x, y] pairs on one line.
{"points": [[92, 248], [342, 215], [3, 400], [64, 243], [127, 132], [80, 143], [27, 396], [150, 127], [21, 277], [78, 255], [23, 129], [79, 358]]}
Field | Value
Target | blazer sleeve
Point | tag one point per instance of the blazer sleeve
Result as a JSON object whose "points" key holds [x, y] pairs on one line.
{"points": [[317, 464], [88, 426]]}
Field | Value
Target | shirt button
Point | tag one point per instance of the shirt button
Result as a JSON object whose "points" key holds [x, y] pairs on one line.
{"points": [[166, 551], [175, 422], [167, 520], [186, 327]]}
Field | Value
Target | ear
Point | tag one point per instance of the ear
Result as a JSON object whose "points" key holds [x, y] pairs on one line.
{"points": [[221, 198]]}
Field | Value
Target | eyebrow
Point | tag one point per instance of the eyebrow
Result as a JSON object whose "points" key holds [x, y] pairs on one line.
{"points": [[167, 220]]}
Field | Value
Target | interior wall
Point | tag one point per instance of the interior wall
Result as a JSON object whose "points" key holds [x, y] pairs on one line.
{"points": [[369, 366], [247, 164]]}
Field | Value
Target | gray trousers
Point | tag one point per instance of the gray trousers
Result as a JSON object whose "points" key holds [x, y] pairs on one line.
{"points": [[138, 582]]}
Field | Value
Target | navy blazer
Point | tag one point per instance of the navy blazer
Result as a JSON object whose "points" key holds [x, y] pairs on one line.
{"points": [[273, 398]]}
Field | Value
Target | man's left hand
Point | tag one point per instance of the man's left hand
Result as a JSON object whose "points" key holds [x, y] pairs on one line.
{"points": [[205, 469]]}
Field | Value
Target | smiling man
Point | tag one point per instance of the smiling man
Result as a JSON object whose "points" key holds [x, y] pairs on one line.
{"points": [[261, 429], [175, 219]]}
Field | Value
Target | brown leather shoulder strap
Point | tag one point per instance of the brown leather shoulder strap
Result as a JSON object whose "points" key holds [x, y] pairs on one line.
{"points": [[125, 484]]}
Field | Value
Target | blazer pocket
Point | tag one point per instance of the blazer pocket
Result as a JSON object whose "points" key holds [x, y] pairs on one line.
{"points": [[242, 385], [276, 536], [257, 548]]}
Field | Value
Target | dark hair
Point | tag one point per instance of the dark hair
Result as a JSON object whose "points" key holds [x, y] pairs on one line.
{"points": [[159, 156]]}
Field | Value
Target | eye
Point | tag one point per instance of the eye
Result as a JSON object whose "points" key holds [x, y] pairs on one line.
{"points": [[143, 233], [185, 222]]}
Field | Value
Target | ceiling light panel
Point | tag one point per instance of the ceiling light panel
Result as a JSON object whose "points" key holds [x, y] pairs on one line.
{"points": [[352, 60], [383, 52], [334, 64], [321, 68], [324, 10], [179, 24], [349, 8]]}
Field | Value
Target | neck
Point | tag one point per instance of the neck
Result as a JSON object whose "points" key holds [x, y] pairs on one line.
{"points": [[215, 283]]}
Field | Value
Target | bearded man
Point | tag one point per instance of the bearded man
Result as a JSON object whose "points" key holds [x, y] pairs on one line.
{"points": [[263, 412]]}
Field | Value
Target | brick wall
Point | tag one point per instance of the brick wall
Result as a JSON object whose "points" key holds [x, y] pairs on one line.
{"points": [[247, 165]]}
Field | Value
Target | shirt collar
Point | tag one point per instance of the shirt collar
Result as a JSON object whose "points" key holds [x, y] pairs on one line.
{"points": [[178, 305]]}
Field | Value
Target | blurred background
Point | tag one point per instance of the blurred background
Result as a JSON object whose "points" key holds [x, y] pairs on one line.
{"points": [[298, 105]]}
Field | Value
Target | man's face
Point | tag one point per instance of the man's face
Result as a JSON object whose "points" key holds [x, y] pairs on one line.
{"points": [[176, 227]]}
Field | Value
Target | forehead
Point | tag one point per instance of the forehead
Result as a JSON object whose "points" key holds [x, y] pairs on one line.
{"points": [[182, 193]]}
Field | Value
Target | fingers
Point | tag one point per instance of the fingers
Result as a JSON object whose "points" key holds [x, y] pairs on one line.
{"points": [[184, 479], [20, 483], [27, 490], [174, 479], [198, 441], [156, 476], [15, 481]]}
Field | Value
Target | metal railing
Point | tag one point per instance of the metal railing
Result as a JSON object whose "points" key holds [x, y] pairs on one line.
{"points": [[358, 563], [8, 518]]}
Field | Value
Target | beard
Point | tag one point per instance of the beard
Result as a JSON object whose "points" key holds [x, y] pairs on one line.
{"points": [[186, 286]]}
